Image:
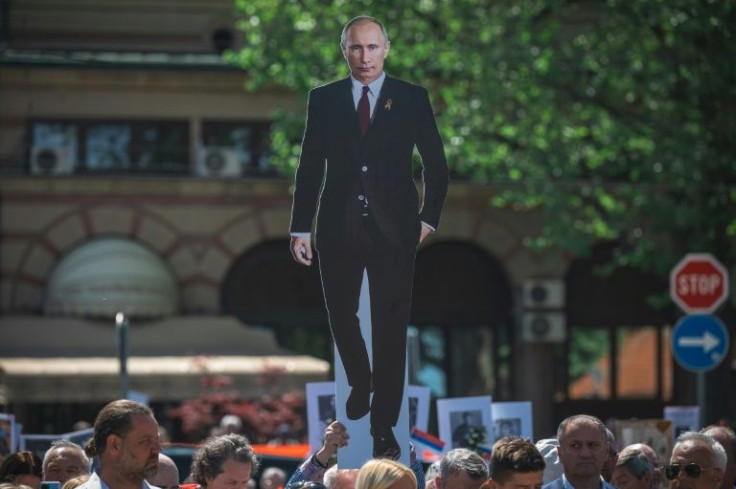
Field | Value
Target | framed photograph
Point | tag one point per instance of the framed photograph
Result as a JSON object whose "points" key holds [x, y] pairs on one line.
{"points": [[657, 433], [684, 418], [38, 444], [320, 411], [465, 422], [80, 437], [418, 407], [8, 435], [512, 419]]}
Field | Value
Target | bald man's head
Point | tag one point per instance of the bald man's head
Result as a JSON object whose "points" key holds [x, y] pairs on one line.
{"points": [[167, 476]]}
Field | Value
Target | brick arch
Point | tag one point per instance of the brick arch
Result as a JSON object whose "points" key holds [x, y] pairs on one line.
{"points": [[68, 230], [199, 258], [499, 233]]}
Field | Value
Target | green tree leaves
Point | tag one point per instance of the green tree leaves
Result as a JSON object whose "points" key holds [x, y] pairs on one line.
{"points": [[615, 119]]}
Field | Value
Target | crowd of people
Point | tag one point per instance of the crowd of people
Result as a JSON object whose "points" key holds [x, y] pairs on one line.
{"points": [[127, 454]]}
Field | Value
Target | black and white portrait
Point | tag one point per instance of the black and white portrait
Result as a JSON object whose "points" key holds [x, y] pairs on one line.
{"points": [[467, 428], [465, 422], [326, 407], [506, 427]]}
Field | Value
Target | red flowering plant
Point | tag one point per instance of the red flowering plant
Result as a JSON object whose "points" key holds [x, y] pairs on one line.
{"points": [[273, 417]]}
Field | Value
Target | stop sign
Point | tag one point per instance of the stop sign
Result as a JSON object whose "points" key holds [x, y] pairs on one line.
{"points": [[699, 283]]}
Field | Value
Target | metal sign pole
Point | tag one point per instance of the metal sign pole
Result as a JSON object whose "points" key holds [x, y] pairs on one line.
{"points": [[121, 329], [700, 382]]}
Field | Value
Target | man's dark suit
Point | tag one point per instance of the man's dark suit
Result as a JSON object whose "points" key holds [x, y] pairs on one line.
{"points": [[342, 169]]}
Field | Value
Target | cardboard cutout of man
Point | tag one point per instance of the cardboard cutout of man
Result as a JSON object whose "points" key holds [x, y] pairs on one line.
{"points": [[356, 161]]}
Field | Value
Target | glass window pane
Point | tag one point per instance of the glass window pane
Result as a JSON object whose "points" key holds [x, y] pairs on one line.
{"points": [[108, 146], [472, 361], [55, 135], [162, 147], [427, 358], [249, 140], [54, 147], [589, 364], [636, 365]]}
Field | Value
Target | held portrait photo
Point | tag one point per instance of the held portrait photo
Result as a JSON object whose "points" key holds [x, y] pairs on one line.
{"points": [[506, 427], [465, 422]]}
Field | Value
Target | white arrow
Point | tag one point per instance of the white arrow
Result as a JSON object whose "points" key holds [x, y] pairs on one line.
{"points": [[707, 341]]}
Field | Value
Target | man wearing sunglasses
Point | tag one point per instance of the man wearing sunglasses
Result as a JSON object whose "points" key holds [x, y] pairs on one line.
{"points": [[697, 462]]}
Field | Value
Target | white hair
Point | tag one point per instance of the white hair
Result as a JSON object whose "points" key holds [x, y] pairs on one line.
{"points": [[61, 444], [719, 453]]}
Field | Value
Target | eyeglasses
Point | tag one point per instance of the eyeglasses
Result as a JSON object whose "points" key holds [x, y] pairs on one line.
{"points": [[692, 469]]}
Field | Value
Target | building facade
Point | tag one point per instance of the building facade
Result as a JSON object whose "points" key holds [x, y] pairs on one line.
{"points": [[122, 129]]}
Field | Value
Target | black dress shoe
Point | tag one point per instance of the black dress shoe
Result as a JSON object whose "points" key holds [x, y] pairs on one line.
{"points": [[358, 403], [384, 443]]}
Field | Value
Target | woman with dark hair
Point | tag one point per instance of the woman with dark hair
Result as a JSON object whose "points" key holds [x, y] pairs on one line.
{"points": [[22, 468], [224, 462]]}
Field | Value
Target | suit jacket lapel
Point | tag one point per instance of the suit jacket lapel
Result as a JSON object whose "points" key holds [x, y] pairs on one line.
{"points": [[382, 105]]}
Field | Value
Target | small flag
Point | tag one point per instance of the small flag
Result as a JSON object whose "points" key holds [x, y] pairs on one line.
{"points": [[427, 439]]}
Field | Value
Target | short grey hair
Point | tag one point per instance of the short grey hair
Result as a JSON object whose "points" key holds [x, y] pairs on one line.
{"points": [[723, 432], [60, 444], [328, 480], [581, 419], [635, 462], [359, 20], [719, 453], [463, 460]]}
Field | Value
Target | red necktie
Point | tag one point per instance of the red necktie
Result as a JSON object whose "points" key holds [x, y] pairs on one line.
{"points": [[364, 111]]}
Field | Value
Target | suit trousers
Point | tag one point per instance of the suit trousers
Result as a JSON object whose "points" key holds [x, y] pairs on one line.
{"points": [[390, 269]]}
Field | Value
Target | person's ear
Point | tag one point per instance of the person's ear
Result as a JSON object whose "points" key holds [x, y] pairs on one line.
{"points": [[494, 484], [438, 482], [647, 479], [718, 476], [114, 444], [388, 48]]}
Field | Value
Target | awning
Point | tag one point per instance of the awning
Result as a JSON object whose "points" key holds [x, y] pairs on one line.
{"points": [[74, 360], [97, 379]]}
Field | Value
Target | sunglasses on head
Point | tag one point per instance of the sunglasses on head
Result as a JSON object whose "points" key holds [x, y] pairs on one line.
{"points": [[692, 469]]}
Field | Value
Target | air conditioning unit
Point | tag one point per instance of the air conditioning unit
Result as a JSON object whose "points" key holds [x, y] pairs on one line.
{"points": [[52, 160], [218, 162], [543, 327], [543, 294]]}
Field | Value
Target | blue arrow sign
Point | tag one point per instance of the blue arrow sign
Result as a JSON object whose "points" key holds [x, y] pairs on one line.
{"points": [[699, 342]]}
